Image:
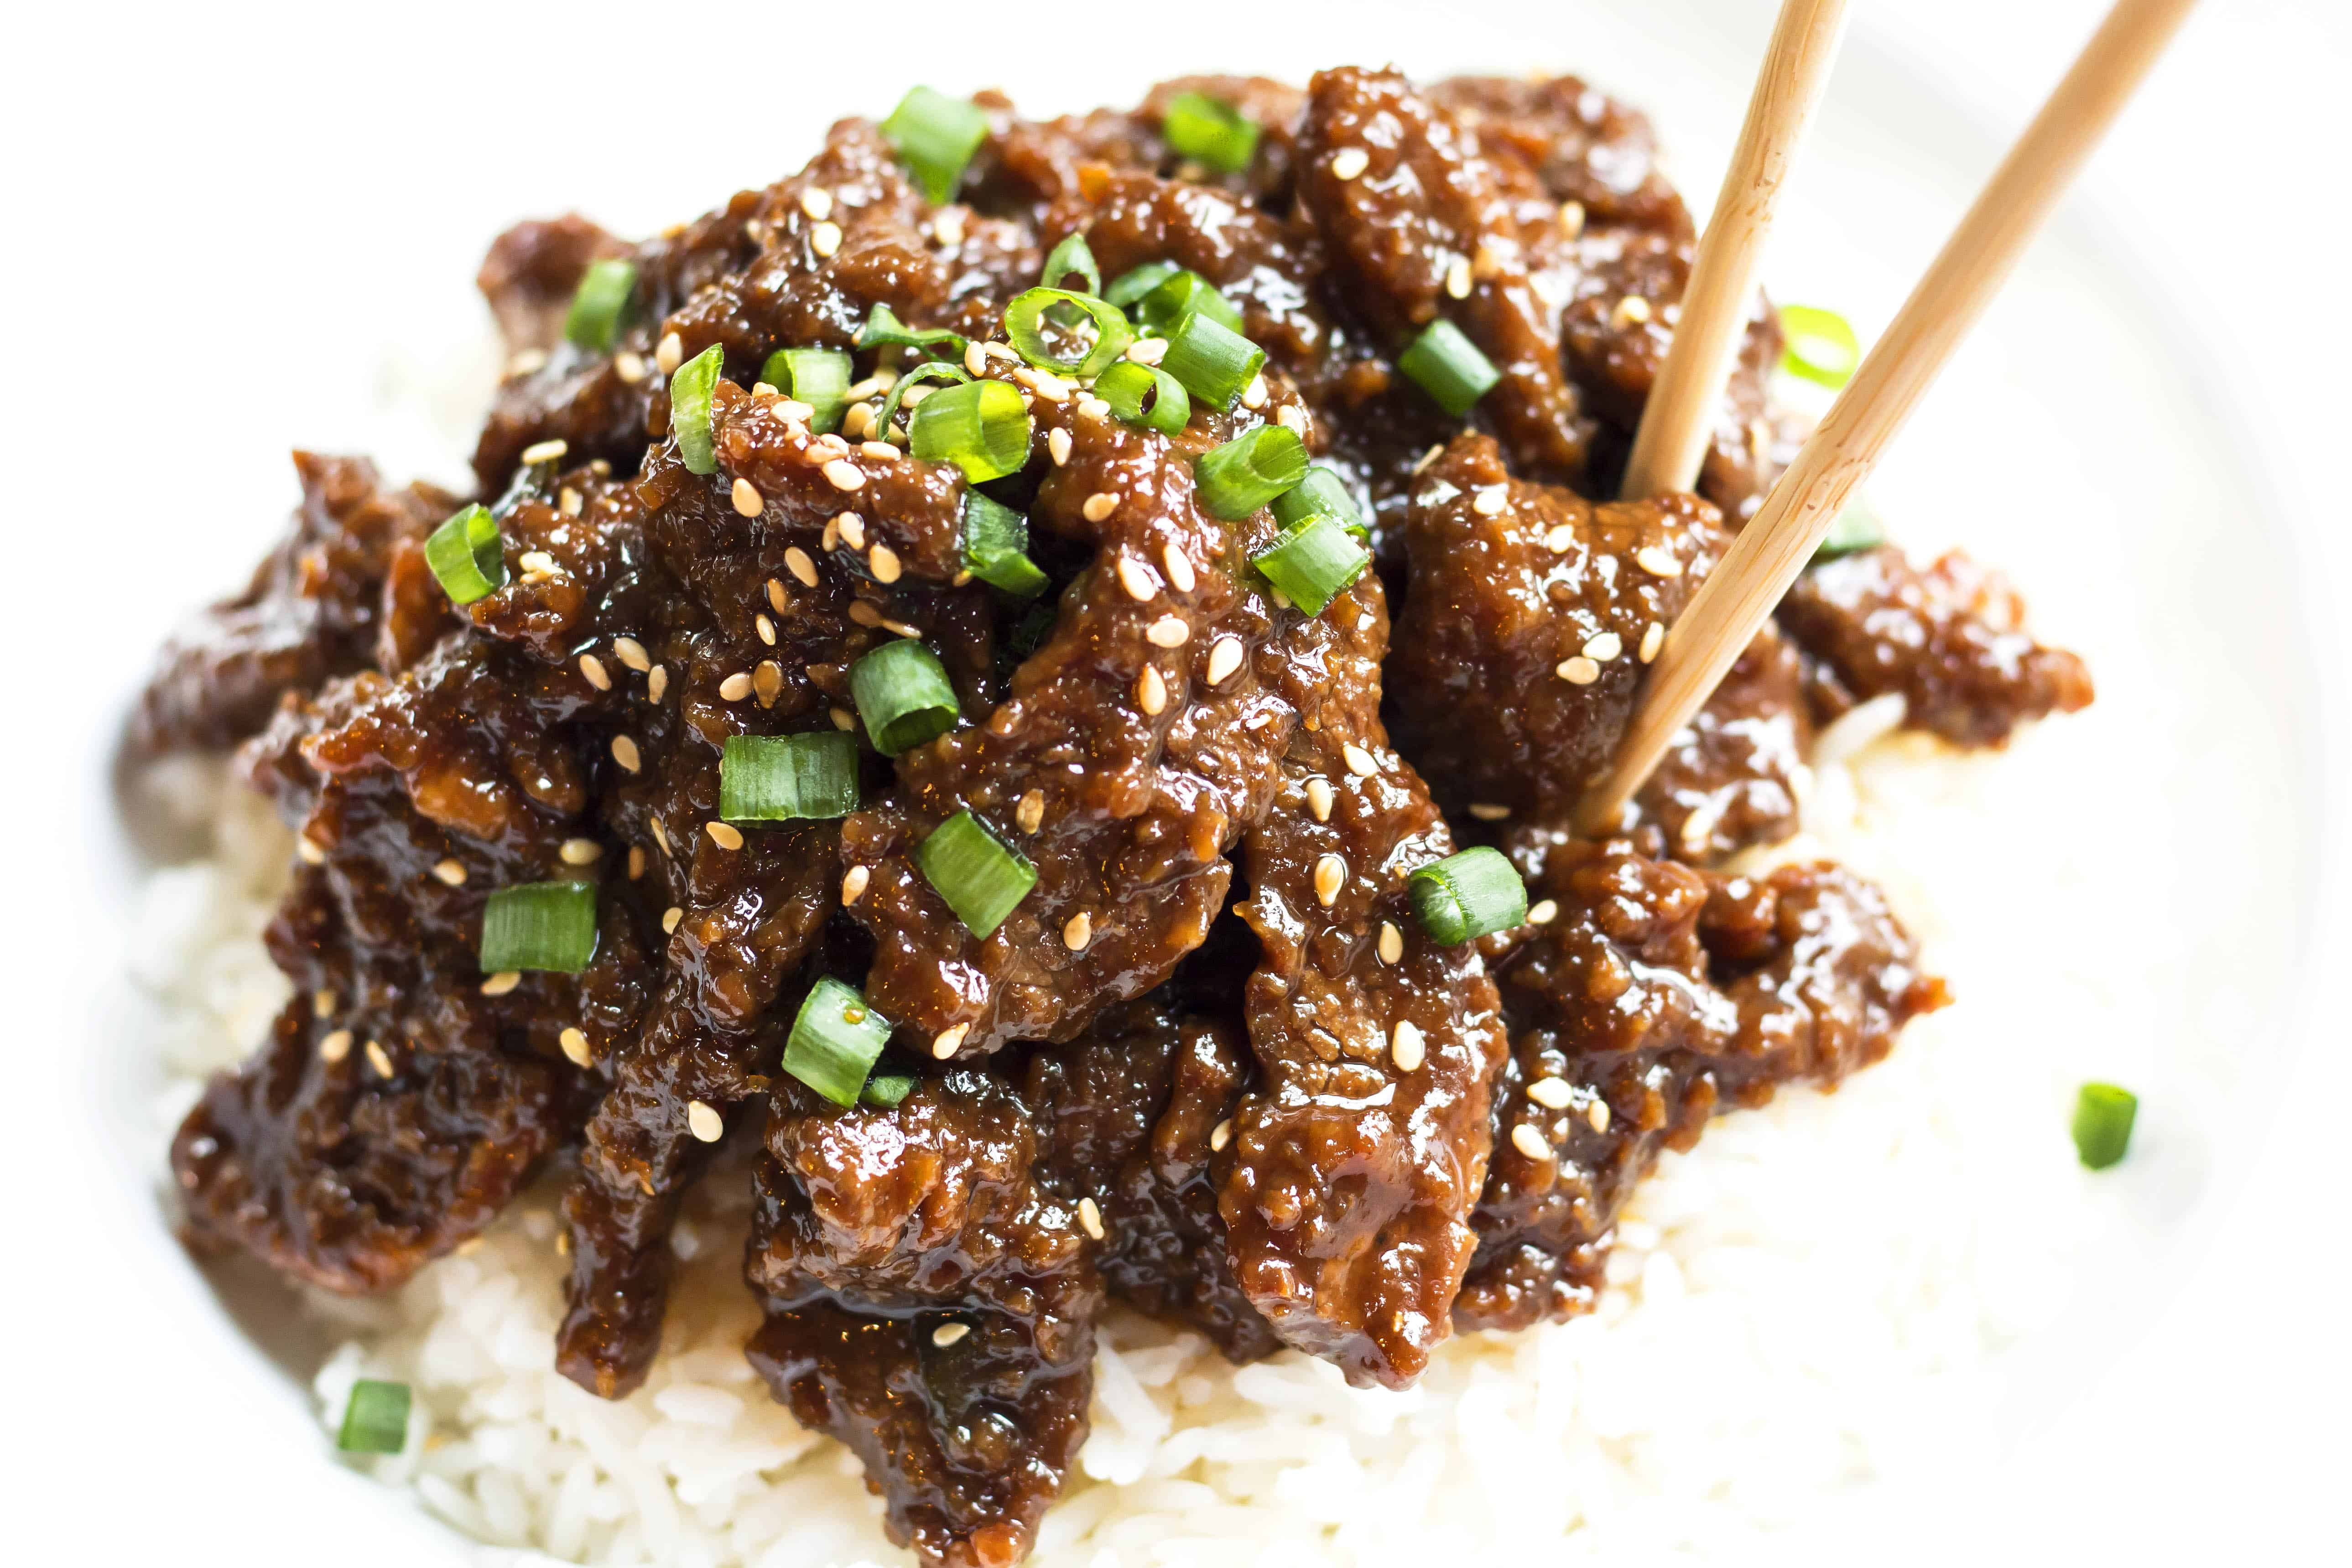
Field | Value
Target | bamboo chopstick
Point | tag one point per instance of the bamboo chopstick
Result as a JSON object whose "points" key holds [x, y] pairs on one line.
{"points": [[1726, 613], [1675, 422]]}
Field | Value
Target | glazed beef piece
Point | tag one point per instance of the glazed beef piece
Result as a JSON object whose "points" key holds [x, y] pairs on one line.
{"points": [[1029, 164], [1949, 637], [1653, 998], [1729, 779]]}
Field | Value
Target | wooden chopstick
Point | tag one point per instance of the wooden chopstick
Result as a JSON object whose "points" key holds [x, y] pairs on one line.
{"points": [[1727, 610], [1677, 419]]}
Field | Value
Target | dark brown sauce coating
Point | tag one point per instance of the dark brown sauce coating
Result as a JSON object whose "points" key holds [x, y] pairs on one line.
{"points": [[1210, 1065]]}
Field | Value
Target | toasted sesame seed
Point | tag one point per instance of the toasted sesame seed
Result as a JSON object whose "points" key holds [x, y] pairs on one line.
{"points": [[851, 529], [747, 498], [1488, 812], [1631, 311], [545, 451], [858, 421], [335, 1046], [725, 835], [1560, 539], [1490, 502], [569, 501], [661, 834], [500, 984], [379, 1058], [308, 848], [976, 358], [1572, 218], [765, 628], [591, 669], [536, 563], [1653, 637], [1133, 575], [629, 367], [1457, 278], [1098, 506], [1221, 1134], [1596, 1116], [322, 1004], [670, 917], [1360, 761], [853, 884], [1577, 671], [575, 1046], [863, 614], [1392, 947], [1543, 911], [1405, 1045], [1077, 931], [1530, 1143], [1551, 1094], [735, 688], [843, 719], [1030, 814], [1057, 446], [1178, 567], [947, 1335], [1320, 798], [1148, 350], [1349, 162], [625, 752], [883, 563], [1093, 408], [528, 362], [1331, 876], [817, 202], [944, 1043], [636, 861], [1151, 691], [1604, 647], [844, 475], [657, 682], [1292, 418], [1224, 660], [581, 852], [825, 238], [450, 872], [704, 1121], [669, 353], [1090, 1216], [796, 561], [1167, 632], [1658, 560], [1255, 394], [880, 451]]}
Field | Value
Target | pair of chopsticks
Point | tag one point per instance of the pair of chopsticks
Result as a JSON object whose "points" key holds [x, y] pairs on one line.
{"points": [[1733, 604]]}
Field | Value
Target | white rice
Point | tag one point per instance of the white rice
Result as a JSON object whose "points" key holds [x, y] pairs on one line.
{"points": [[1815, 1300]]}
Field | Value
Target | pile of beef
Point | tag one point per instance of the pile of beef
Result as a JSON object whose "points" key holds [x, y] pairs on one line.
{"points": [[1179, 1074]]}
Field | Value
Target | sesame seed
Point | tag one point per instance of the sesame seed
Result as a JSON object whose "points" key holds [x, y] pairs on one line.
{"points": [[748, 499], [591, 669], [796, 561], [569, 501], [880, 451], [765, 628], [1090, 1216], [858, 421], [625, 752], [735, 688], [817, 202], [1030, 814], [544, 451], [1490, 502], [1098, 506], [1045, 383], [1560, 539], [976, 358], [1360, 761], [1077, 932], [309, 850], [581, 852], [629, 367], [336, 1046], [670, 917], [843, 719], [528, 362], [657, 682], [669, 353], [1148, 350], [1457, 278], [322, 1004], [500, 984], [1179, 568], [947, 1335], [1551, 1094], [1221, 1134], [1653, 637], [1167, 632], [1572, 218], [1488, 812], [536, 563], [451, 873], [379, 1058], [853, 884], [1151, 691], [636, 861], [1596, 1116], [1579, 671], [825, 238], [1320, 798], [1544, 912], [1093, 408], [863, 614], [1292, 418], [1405, 1045], [1331, 876], [1530, 1143], [1658, 560], [844, 475], [725, 836], [1349, 162], [1057, 446], [704, 1121], [1224, 660], [851, 529], [1392, 947], [1604, 647], [944, 1043], [1255, 394], [883, 563], [575, 1046], [1631, 311], [661, 834]]}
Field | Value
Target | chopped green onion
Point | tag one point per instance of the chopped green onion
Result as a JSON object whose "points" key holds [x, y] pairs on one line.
{"points": [[996, 546], [1073, 255], [548, 925], [981, 427], [2103, 1124], [782, 778], [1313, 561], [883, 330], [1022, 324], [597, 304], [1820, 345], [1854, 530], [1130, 287], [936, 136], [1449, 367], [886, 1091], [1321, 494], [1165, 305], [1215, 363], [980, 877], [835, 1040], [1249, 471], [817, 377], [376, 1420], [1145, 396], [902, 693], [1210, 131], [929, 370], [689, 409], [465, 555], [1468, 896]]}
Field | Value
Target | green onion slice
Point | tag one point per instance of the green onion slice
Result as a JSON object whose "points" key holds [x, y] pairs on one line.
{"points": [[1249, 471], [996, 546], [1073, 255], [935, 136], [1215, 363], [1112, 332], [597, 304], [465, 555], [376, 1420], [1130, 287], [1166, 304], [981, 427], [1313, 561], [785, 778], [689, 409], [886, 1091], [929, 370], [836, 1039], [549, 925], [2103, 1116], [902, 693], [980, 875], [1468, 896], [1209, 131], [1854, 530], [817, 377], [1322, 493], [1145, 396], [883, 330], [1822, 346], [1449, 367]]}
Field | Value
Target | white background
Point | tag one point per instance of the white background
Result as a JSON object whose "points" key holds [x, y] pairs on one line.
{"points": [[292, 161]]}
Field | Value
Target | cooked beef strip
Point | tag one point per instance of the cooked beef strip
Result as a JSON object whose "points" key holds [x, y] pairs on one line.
{"points": [[1729, 779]]}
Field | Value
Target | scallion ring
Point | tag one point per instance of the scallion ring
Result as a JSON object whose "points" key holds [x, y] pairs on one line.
{"points": [[885, 1090], [1321, 494], [1822, 346], [935, 136], [1249, 471], [981, 427], [979, 875], [1208, 131], [1313, 561], [1130, 287], [996, 547], [817, 377], [375, 1421], [689, 409], [1449, 367], [929, 370], [1165, 305], [2103, 1116], [787, 778], [883, 330], [597, 305], [1022, 323], [1145, 396], [1215, 363], [1073, 255], [466, 555], [1468, 896], [836, 1038], [903, 694], [547, 925]]}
